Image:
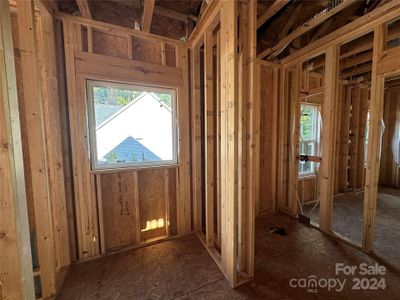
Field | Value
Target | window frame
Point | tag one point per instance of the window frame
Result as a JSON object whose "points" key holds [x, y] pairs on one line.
{"points": [[91, 117], [316, 141]]}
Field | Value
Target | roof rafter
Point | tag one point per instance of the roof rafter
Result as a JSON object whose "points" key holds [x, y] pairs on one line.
{"points": [[315, 21], [84, 8], [147, 15], [273, 9]]}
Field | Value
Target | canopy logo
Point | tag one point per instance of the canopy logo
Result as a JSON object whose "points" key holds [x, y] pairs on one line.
{"points": [[363, 277], [312, 283]]}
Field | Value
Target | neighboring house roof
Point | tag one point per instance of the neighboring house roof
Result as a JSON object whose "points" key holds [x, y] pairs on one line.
{"points": [[131, 150], [123, 108], [105, 111]]}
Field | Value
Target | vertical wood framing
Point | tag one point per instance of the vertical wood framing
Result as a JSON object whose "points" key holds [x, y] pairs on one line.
{"points": [[47, 62], [229, 140], [329, 114], [99, 196], [37, 145], [209, 137], [16, 274], [252, 105], [282, 141], [294, 125], [86, 207], [218, 137], [136, 203], [166, 191], [274, 154], [196, 139], [374, 140], [183, 201], [163, 54]]}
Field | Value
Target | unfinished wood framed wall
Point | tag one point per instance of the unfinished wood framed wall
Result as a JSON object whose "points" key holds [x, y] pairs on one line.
{"points": [[384, 63], [114, 206], [225, 130], [38, 97]]}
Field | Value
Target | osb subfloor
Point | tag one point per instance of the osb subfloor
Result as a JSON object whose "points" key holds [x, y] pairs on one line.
{"points": [[348, 221], [182, 269]]}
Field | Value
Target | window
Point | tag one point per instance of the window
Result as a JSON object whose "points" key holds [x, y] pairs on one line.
{"points": [[131, 125], [309, 137]]}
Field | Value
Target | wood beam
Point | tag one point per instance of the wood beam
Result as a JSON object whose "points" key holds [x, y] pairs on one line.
{"points": [[208, 17], [37, 144], [253, 145], [356, 60], [358, 27], [169, 13], [50, 5], [209, 138], [357, 71], [196, 137], [374, 140], [322, 29], [315, 21], [84, 8], [16, 274], [273, 9], [347, 61], [329, 115], [47, 63], [147, 15], [229, 140], [290, 22]]}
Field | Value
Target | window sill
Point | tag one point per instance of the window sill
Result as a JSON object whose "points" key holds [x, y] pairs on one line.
{"points": [[133, 168]]}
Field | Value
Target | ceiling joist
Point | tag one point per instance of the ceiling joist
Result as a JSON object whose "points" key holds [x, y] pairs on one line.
{"points": [[273, 9], [169, 13], [357, 60], [147, 15], [357, 70], [83, 6], [314, 22]]}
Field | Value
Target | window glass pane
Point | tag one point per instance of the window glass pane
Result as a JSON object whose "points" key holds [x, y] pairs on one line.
{"points": [[307, 122], [132, 125], [309, 137]]}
